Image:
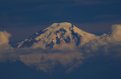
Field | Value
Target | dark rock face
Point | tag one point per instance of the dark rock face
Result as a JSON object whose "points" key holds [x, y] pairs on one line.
{"points": [[76, 37]]}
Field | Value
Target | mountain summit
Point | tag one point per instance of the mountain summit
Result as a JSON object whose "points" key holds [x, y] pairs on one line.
{"points": [[58, 36]]}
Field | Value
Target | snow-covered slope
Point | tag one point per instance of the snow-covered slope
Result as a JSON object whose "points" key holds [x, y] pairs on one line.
{"points": [[58, 36]]}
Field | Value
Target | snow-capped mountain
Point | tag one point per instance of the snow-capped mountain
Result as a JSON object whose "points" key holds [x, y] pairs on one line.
{"points": [[58, 36]]}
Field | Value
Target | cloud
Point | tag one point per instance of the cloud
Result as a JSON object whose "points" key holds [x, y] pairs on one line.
{"points": [[44, 60], [4, 40], [49, 60], [116, 34], [4, 37]]}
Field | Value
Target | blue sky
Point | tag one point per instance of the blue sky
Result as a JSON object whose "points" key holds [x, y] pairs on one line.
{"points": [[96, 16]]}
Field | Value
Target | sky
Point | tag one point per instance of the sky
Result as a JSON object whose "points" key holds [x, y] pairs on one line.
{"points": [[24, 17]]}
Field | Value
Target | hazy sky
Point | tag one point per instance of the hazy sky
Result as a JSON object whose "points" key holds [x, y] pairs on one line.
{"points": [[22, 17]]}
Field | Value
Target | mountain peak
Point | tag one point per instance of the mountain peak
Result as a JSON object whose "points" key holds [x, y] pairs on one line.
{"points": [[58, 36]]}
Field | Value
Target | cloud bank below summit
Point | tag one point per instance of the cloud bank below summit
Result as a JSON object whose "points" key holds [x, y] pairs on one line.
{"points": [[47, 60]]}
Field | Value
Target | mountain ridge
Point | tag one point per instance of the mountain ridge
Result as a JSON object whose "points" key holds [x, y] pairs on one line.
{"points": [[58, 36]]}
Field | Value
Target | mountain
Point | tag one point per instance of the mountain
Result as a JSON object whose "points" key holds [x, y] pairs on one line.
{"points": [[58, 36]]}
